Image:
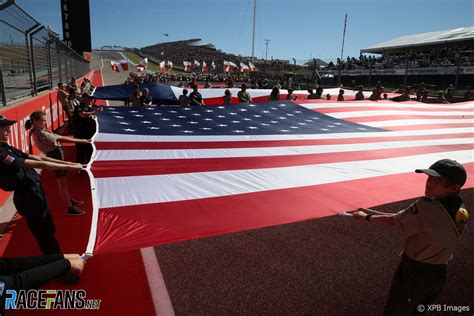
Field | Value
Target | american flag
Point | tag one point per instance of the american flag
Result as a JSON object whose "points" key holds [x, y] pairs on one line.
{"points": [[169, 174]]}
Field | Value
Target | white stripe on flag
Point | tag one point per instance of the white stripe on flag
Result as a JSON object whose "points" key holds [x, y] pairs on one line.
{"points": [[111, 155], [136, 190]]}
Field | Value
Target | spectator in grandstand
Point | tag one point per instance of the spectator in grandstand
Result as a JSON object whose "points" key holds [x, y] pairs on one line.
{"points": [[290, 95], [145, 98], [18, 174], [84, 128], [243, 95], [360, 94], [340, 96], [227, 96], [195, 98], [274, 95], [208, 84], [183, 99], [328, 96], [430, 228], [385, 96], [441, 98], [468, 94], [27, 273], [50, 144], [134, 98]]}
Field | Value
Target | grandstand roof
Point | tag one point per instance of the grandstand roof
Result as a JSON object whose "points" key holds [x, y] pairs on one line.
{"points": [[423, 39]]}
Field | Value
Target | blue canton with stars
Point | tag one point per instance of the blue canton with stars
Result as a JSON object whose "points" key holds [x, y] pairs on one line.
{"points": [[268, 118]]}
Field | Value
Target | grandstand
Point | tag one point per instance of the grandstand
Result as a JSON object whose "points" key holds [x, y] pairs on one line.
{"points": [[436, 57]]}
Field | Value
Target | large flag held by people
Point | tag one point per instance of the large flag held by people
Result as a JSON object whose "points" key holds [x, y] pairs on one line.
{"points": [[119, 66], [170, 174]]}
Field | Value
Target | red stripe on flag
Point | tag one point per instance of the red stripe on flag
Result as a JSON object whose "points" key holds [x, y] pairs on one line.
{"points": [[427, 126], [127, 168], [387, 108], [405, 117], [266, 143]]}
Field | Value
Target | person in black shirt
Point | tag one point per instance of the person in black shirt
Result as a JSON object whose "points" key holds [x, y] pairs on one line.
{"points": [[84, 128], [17, 174], [195, 97]]}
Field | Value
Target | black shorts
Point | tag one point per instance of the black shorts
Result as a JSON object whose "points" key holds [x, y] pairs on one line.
{"points": [[58, 154]]}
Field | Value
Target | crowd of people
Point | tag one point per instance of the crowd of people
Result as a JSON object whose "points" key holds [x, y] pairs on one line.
{"points": [[436, 57], [18, 174]]}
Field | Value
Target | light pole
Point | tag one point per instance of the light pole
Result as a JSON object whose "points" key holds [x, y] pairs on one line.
{"points": [[267, 41]]}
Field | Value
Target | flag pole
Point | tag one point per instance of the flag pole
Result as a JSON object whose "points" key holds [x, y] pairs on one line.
{"points": [[253, 36], [342, 49]]}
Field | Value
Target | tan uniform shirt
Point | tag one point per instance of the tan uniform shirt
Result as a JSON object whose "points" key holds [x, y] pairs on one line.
{"points": [[45, 140], [429, 233]]}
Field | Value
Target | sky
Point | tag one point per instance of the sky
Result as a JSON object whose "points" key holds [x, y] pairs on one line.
{"points": [[300, 29]]}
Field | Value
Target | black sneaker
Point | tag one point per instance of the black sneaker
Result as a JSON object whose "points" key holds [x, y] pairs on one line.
{"points": [[75, 202], [73, 211]]}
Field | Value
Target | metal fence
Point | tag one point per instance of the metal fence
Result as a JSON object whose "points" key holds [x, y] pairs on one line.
{"points": [[32, 57]]}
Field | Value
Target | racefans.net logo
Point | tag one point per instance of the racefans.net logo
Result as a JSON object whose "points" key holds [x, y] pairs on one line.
{"points": [[49, 299]]}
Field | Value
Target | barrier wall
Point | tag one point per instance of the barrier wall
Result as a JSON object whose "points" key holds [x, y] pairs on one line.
{"points": [[19, 137]]}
